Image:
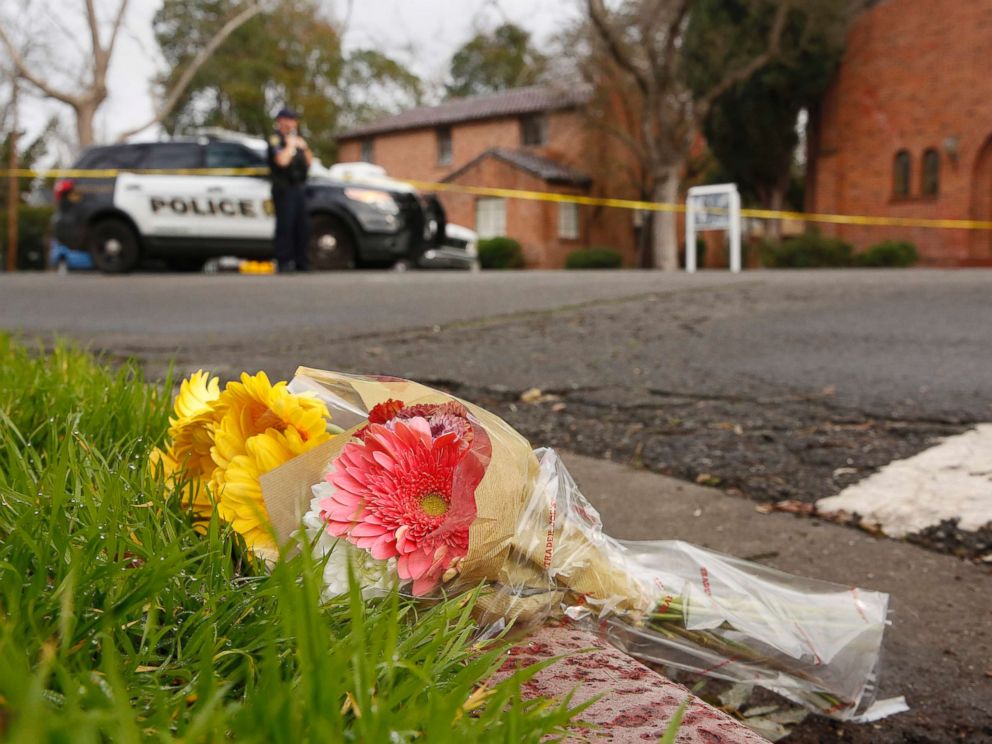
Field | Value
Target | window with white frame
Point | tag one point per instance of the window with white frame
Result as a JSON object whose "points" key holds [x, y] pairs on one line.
{"points": [[490, 217], [568, 221], [534, 130], [368, 150], [444, 146]]}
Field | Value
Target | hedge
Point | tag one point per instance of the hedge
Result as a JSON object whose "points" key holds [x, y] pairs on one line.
{"points": [[890, 254], [594, 257], [33, 229], [806, 251], [500, 253]]}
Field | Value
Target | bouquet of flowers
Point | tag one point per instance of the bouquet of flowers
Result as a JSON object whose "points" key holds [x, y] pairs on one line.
{"points": [[427, 494]]}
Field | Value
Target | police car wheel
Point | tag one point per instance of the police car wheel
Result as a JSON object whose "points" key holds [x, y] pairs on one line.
{"points": [[113, 247], [332, 247]]}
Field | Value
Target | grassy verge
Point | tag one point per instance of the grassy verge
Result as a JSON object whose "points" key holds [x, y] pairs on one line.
{"points": [[118, 622]]}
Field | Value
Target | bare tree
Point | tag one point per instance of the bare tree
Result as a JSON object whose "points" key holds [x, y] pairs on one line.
{"points": [[89, 93], [642, 43], [13, 195]]}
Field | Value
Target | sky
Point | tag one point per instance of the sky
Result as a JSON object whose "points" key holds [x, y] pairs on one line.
{"points": [[422, 34]]}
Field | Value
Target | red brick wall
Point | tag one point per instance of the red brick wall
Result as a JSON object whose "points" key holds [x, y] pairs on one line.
{"points": [[534, 224], [915, 74], [413, 154]]}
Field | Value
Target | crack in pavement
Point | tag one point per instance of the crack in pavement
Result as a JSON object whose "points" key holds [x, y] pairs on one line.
{"points": [[701, 385]]}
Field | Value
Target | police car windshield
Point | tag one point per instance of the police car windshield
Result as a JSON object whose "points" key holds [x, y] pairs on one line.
{"points": [[232, 155], [119, 156], [173, 155]]}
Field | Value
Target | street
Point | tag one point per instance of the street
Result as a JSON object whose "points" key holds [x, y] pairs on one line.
{"points": [[909, 344], [765, 382], [775, 387]]}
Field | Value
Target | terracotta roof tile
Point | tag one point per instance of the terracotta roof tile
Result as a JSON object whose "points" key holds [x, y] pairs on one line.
{"points": [[493, 105], [544, 168]]}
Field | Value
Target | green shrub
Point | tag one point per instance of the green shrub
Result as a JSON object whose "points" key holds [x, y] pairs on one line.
{"points": [[32, 236], [500, 253], [594, 257], [807, 251], [889, 253]]}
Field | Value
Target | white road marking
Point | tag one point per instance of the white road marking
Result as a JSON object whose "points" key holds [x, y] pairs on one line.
{"points": [[950, 480]]}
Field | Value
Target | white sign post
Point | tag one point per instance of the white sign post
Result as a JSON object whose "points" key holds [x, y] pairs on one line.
{"points": [[715, 207]]}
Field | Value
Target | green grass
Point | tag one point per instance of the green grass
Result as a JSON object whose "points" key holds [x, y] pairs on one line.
{"points": [[119, 623]]}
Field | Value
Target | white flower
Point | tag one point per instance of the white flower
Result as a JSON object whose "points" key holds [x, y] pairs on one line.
{"points": [[375, 577]]}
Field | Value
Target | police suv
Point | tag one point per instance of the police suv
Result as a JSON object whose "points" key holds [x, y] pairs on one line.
{"points": [[185, 218]]}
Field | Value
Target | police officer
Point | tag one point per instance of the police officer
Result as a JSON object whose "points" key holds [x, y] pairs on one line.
{"points": [[289, 161]]}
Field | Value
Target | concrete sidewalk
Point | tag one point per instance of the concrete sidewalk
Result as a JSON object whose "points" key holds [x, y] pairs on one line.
{"points": [[938, 651]]}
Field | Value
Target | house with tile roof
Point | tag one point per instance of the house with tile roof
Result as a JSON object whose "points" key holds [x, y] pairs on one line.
{"points": [[535, 139]]}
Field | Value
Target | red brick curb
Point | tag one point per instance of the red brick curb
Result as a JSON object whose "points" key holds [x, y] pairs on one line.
{"points": [[638, 702]]}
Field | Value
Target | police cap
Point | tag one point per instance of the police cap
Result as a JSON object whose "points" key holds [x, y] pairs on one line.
{"points": [[287, 113]]}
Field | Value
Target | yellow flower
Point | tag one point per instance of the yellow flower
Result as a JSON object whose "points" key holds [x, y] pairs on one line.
{"points": [[260, 427], [187, 462], [192, 428], [254, 405], [241, 502], [196, 396]]}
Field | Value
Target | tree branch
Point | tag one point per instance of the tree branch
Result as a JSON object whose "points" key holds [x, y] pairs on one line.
{"points": [[25, 72], [194, 66], [118, 21], [70, 37], [672, 52], [94, 24], [598, 13], [746, 71], [618, 134]]}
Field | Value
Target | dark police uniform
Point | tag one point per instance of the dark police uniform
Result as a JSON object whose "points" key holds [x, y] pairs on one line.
{"points": [[289, 200]]}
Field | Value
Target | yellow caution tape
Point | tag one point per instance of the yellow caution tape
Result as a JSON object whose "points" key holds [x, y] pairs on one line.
{"points": [[854, 219], [545, 196], [761, 214], [114, 172]]}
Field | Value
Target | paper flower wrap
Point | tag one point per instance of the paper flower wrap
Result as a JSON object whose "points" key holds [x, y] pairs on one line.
{"points": [[435, 495]]}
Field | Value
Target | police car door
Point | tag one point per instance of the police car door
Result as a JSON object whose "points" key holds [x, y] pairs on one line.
{"points": [[245, 199], [168, 205]]}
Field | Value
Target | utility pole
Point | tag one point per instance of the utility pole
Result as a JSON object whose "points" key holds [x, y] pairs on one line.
{"points": [[13, 192]]}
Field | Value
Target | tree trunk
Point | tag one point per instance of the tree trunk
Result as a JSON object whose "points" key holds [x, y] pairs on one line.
{"points": [[644, 238], [85, 116], [776, 200], [665, 244], [13, 187]]}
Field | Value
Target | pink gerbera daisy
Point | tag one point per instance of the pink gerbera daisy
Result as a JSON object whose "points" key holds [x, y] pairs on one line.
{"points": [[402, 492]]}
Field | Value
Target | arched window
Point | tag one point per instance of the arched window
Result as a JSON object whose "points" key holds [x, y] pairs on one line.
{"points": [[931, 173], [901, 168]]}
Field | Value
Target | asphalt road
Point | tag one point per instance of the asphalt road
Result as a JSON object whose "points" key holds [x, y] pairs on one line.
{"points": [[902, 343], [166, 305]]}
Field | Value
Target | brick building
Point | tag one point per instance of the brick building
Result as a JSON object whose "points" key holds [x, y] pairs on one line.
{"points": [[535, 139], [906, 128]]}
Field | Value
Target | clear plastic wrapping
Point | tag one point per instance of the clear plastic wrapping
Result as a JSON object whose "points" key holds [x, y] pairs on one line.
{"points": [[814, 642], [433, 495]]}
